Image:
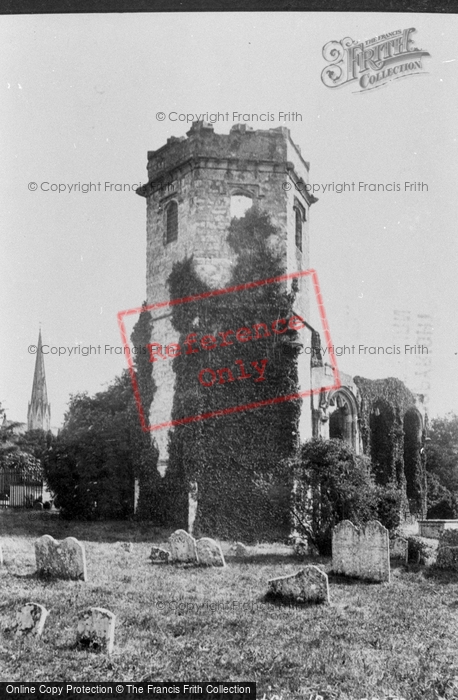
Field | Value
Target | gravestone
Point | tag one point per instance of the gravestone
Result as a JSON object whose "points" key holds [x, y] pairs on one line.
{"points": [[447, 553], [399, 549], [159, 555], [447, 558], [126, 546], [301, 548], [66, 559], [1, 555], [309, 585], [209, 552], [183, 547], [95, 630], [240, 549], [30, 619], [361, 553]]}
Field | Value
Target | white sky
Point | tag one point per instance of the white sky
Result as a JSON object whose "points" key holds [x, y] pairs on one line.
{"points": [[79, 99]]}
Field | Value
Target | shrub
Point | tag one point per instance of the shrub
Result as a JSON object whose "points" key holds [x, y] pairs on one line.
{"points": [[389, 505], [341, 488], [336, 484], [421, 550], [441, 502]]}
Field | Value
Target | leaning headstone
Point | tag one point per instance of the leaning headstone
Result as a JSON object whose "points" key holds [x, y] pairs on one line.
{"points": [[240, 549], [209, 552], [66, 559], [361, 553], [126, 546], [159, 555], [183, 547], [301, 548], [30, 619], [399, 549], [447, 553], [447, 558], [309, 585], [95, 630], [422, 550]]}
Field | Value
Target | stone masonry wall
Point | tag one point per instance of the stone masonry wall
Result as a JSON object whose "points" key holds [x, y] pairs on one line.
{"points": [[201, 173]]}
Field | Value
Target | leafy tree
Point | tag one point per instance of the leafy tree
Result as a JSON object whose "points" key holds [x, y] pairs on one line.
{"points": [[94, 461], [442, 451], [91, 464], [36, 442], [442, 467], [390, 501], [8, 435], [26, 466], [334, 484], [442, 503]]}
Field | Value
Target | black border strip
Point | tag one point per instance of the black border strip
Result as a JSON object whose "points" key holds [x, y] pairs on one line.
{"points": [[10, 7]]}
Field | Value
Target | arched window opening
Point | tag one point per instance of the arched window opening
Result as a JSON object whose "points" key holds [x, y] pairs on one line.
{"points": [[381, 424], [343, 420], [240, 203], [171, 222], [299, 214]]}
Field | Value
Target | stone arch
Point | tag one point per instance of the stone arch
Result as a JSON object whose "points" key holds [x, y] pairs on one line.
{"points": [[413, 433], [343, 417], [171, 221], [382, 427], [241, 201], [299, 219]]}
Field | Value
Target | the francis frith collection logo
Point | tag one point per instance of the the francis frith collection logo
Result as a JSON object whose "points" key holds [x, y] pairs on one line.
{"points": [[373, 62]]}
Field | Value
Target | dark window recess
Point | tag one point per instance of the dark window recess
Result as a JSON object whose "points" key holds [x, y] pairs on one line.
{"points": [[299, 219], [172, 222]]}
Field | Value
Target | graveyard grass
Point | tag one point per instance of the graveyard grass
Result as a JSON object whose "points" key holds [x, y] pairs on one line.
{"points": [[188, 624]]}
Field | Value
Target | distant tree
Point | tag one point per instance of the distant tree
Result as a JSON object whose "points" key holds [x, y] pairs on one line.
{"points": [[8, 435], [442, 467], [442, 450], [26, 466], [36, 442], [442, 503], [94, 461], [91, 464], [20, 454]]}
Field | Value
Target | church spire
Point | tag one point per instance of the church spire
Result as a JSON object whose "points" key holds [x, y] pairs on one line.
{"points": [[39, 413]]}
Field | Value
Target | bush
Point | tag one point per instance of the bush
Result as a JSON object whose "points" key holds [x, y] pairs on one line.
{"points": [[341, 488], [389, 505], [421, 550], [442, 503]]}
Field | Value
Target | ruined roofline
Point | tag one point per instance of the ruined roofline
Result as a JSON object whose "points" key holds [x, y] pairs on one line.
{"points": [[202, 140]]}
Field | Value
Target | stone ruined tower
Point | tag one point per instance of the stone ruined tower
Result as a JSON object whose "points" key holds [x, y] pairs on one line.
{"points": [[39, 412], [195, 185]]}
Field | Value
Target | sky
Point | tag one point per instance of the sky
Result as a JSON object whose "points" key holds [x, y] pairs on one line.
{"points": [[80, 101]]}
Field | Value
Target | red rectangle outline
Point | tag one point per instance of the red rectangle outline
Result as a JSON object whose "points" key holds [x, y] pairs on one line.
{"points": [[214, 293]]}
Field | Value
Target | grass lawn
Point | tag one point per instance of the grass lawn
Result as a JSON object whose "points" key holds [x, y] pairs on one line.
{"points": [[373, 641]]}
